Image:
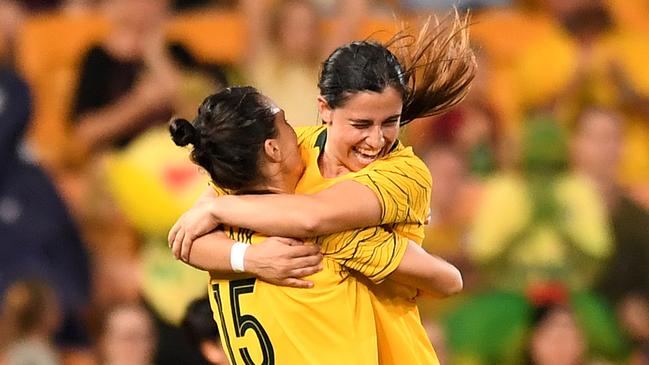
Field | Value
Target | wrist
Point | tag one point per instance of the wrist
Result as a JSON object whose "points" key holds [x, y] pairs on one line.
{"points": [[217, 207], [237, 256], [250, 260]]}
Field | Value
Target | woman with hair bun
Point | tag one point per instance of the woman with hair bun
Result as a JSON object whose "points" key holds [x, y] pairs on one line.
{"points": [[357, 174]]}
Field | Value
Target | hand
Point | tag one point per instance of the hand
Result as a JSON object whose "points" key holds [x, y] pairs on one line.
{"points": [[194, 223], [154, 91], [283, 261]]}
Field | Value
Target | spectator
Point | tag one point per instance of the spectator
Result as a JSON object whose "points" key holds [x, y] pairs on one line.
{"points": [[557, 227], [555, 336], [634, 315], [127, 336], [556, 230], [285, 47], [39, 238], [203, 333], [132, 80], [29, 317], [597, 149]]}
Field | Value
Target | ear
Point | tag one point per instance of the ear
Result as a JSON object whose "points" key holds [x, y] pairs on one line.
{"points": [[326, 112], [272, 150]]}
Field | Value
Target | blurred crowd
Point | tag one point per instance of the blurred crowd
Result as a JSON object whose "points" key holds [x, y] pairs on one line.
{"points": [[540, 177]]}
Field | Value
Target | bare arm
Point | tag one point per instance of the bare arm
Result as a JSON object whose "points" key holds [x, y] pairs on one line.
{"points": [[430, 274], [156, 89], [277, 260], [99, 127], [257, 18], [346, 205]]}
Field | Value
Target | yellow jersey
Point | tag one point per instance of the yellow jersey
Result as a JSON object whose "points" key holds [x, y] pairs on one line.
{"points": [[403, 184], [331, 323]]}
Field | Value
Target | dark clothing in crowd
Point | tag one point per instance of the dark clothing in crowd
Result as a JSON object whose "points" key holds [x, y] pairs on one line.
{"points": [[104, 79], [38, 238], [628, 270]]}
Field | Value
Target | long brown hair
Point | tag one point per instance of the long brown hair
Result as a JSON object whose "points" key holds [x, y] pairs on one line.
{"points": [[438, 63]]}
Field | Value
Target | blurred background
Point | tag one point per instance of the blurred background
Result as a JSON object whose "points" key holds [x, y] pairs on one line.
{"points": [[541, 177]]}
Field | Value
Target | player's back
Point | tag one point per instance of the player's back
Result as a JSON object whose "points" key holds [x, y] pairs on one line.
{"points": [[260, 323]]}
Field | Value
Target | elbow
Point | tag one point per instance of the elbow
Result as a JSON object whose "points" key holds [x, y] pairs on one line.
{"points": [[307, 225], [453, 284]]}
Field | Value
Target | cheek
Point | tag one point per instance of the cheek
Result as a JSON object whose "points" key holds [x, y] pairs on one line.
{"points": [[391, 135]]}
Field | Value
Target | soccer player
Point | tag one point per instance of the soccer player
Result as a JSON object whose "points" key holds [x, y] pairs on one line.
{"points": [[366, 94], [241, 122]]}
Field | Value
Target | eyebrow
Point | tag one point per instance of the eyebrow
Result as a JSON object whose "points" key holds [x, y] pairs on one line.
{"points": [[395, 116]]}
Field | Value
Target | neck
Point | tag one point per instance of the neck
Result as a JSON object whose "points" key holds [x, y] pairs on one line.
{"points": [[275, 182], [330, 166]]}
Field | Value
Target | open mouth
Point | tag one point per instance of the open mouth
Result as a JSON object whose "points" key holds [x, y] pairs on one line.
{"points": [[365, 156]]}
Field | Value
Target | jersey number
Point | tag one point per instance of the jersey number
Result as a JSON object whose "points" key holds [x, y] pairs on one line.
{"points": [[244, 322]]}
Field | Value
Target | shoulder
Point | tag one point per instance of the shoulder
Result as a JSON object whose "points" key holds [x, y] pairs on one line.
{"points": [[308, 136], [402, 160]]}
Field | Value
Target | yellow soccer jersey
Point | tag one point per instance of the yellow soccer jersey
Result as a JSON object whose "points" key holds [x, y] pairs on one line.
{"points": [[331, 323], [403, 184]]}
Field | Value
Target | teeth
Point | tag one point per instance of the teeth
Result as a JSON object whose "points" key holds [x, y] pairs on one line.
{"points": [[369, 154]]}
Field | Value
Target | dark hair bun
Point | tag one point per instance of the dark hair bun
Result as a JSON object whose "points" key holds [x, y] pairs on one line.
{"points": [[183, 132]]}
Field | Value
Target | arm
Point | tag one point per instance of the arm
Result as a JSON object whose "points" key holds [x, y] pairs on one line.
{"points": [[430, 274], [257, 15], [99, 123], [379, 254], [277, 260], [395, 190], [346, 205], [101, 126]]}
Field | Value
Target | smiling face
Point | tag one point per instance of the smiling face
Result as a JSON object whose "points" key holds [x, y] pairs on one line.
{"points": [[361, 131]]}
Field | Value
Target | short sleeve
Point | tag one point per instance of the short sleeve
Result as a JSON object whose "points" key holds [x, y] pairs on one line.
{"points": [[403, 185], [373, 252]]}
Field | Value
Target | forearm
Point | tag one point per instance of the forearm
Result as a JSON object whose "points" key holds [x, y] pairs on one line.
{"points": [[211, 252], [430, 274], [109, 123], [258, 28], [297, 216], [343, 207], [277, 260]]}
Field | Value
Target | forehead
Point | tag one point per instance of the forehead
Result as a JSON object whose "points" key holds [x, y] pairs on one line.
{"points": [[369, 105]]}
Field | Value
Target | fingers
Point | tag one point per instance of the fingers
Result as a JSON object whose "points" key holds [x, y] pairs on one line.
{"points": [[305, 271], [186, 247], [296, 283], [178, 243], [306, 261], [289, 241], [172, 234], [305, 250]]}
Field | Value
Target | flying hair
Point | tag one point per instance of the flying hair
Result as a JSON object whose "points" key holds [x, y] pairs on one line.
{"points": [[438, 65]]}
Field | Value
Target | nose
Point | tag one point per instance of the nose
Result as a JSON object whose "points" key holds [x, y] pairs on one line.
{"points": [[375, 137]]}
